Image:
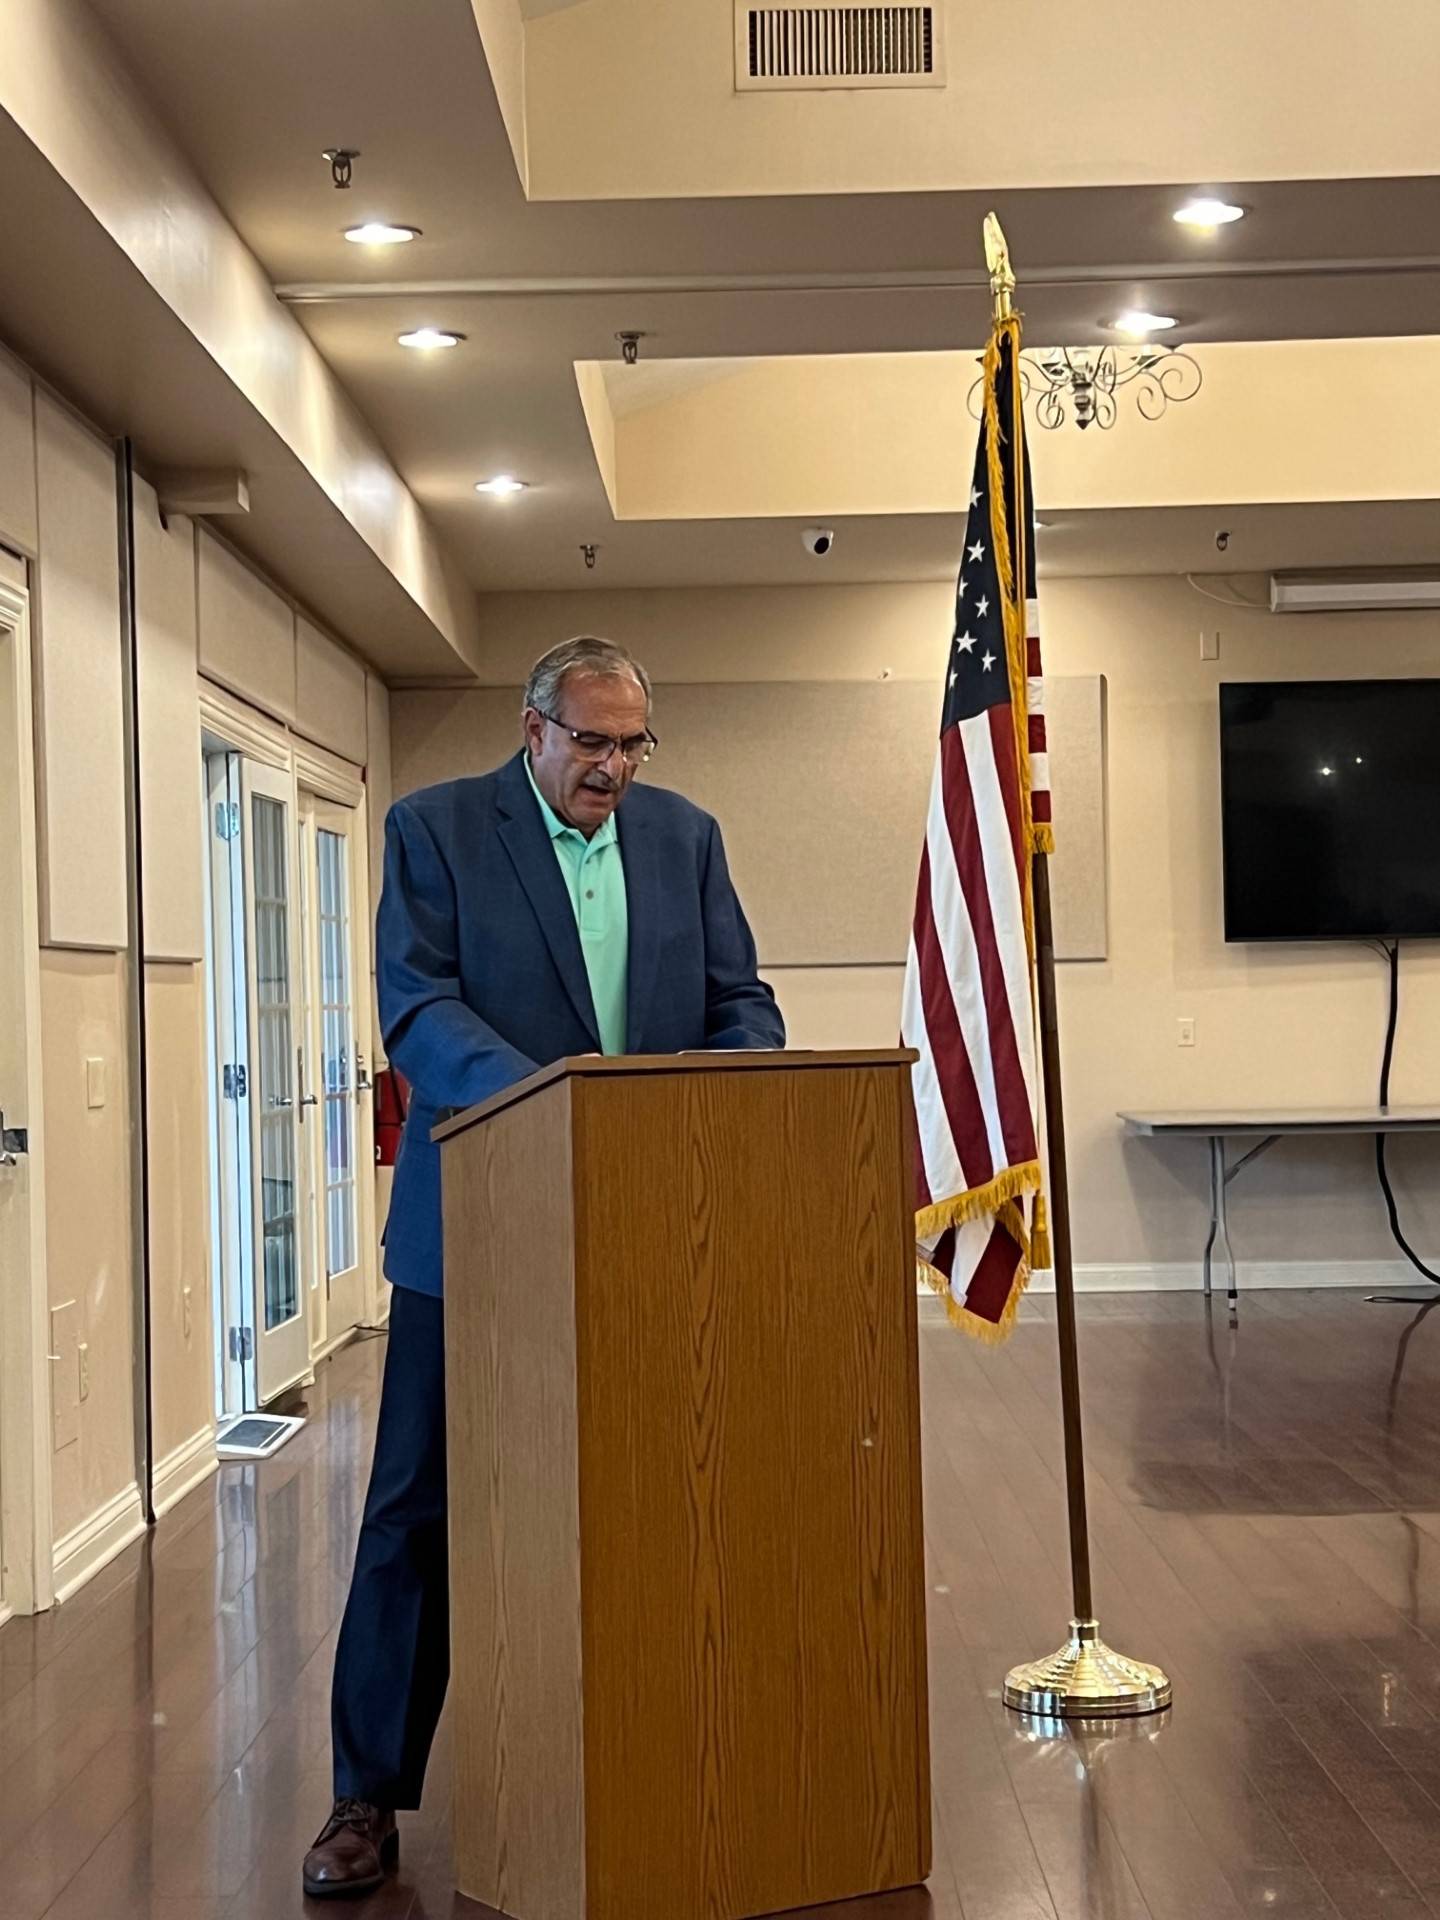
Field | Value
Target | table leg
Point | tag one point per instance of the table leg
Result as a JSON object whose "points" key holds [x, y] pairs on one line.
{"points": [[1222, 1179], [1217, 1200]]}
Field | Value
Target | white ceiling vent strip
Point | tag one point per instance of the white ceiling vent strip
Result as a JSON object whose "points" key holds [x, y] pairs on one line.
{"points": [[800, 48]]}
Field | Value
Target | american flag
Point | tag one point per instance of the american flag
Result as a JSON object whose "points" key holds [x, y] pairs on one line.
{"points": [[969, 1006]]}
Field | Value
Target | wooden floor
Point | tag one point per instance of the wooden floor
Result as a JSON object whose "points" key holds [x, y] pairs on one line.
{"points": [[1265, 1506]]}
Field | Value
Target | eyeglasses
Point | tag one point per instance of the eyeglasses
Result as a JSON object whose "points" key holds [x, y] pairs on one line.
{"points": [[600, 746]]}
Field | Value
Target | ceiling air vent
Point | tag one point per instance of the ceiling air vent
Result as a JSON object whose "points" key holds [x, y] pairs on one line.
{"points": [[794, 48]]}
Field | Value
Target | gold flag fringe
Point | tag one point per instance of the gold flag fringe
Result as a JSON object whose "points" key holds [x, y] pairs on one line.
{"points": [[978, 1202], [990, 1333]]}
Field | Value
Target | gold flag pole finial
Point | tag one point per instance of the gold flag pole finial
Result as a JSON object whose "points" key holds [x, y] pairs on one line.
{"points": [[997, 259], [1085, 1679]]}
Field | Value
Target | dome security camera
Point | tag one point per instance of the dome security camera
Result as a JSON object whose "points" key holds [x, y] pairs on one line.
{"points": [[818, 540]]}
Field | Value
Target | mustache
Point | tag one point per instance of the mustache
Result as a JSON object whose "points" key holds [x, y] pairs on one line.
{"points": [[601, 783]]}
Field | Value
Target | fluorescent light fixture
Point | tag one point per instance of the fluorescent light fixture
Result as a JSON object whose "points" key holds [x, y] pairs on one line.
{"points": [[502, 485], [1138, 323], [1208, 214], [1375, 590], [379, 233], [427, 337]]}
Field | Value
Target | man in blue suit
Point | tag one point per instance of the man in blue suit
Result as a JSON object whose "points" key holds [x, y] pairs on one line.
{"points": [[526, 916]]}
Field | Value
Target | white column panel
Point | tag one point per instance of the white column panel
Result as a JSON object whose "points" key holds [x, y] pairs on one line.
{"points": [[378, 794], [247, 632], [171, 805], [17, 456], [330, 706], [80, 745]]}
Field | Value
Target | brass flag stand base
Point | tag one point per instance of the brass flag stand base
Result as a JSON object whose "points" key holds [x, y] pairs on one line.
{"points": [[1086, 1680]]}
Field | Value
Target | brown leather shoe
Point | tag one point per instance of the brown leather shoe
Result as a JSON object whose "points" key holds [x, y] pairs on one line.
{"points": [[352, 1850]]}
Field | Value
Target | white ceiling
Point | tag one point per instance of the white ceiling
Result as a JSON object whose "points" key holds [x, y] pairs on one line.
{"points": [[254, 93]]}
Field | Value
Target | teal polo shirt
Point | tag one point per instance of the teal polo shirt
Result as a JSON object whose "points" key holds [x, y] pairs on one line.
{"points": [[595, 878]]}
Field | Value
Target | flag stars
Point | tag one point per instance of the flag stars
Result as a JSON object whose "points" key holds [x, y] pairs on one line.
{"points": [[976, 496], [988, 661], [960, 589], [953, 678], [984, 607], [977, 552], [966, 643]]}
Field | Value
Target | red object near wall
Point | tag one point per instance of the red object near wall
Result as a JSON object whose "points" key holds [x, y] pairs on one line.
{"points": [[392, 1103]]}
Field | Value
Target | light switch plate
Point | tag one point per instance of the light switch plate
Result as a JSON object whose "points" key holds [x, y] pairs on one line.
{"points": [[95, 1083]]}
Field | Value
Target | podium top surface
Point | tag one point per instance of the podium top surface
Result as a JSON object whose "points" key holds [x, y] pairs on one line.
{"points": [[595, 1066]]}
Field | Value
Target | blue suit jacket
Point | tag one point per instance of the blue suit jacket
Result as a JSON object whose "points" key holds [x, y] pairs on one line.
{"points": [[481, 976]]}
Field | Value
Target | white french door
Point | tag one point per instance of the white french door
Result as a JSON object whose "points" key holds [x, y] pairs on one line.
{"points": [[263, 1343], [332, 1066]]}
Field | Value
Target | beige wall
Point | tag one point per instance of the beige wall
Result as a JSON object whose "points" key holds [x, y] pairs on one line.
{"points": [[221, 613], [1295, 1025], [78, 663], [87, 1225], [181, 1338]]}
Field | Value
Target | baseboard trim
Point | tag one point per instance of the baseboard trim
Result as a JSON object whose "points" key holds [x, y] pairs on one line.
{"points": [[1252, 1276], [184, 1468], [81, 1553], [331, 1348]]}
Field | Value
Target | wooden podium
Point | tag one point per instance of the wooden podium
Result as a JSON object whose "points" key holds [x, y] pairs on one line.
{"points": [[686, 1563]]}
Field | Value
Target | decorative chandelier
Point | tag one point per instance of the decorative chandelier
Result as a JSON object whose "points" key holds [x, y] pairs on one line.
{"points": [[1059, 381]]}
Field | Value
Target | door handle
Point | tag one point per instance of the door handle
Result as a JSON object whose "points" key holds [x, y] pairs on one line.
{"points": [[310, 1100], [8, 1159], [281, 1100]]}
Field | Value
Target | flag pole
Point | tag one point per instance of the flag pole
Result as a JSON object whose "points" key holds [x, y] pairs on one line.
{"points": [[1085, 1679]]}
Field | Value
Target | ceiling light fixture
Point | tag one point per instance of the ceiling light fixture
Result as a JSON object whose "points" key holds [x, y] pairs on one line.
{"points": [[428, 337], [1057, 382], [502, 486], [1207, 215], [1137, 323], [379, 233]]}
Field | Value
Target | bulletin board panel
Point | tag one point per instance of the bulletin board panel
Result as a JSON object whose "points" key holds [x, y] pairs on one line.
{"points": [[820, 788]]}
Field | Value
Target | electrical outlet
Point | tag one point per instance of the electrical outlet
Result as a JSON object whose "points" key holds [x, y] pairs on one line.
{"points": [[1185, 1035], [82, 1353]]}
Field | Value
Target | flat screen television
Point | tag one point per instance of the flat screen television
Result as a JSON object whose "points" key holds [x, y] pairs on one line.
{"points": [[1330, 809]]}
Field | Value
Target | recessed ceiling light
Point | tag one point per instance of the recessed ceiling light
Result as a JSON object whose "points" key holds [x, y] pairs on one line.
{"points": [[1208, 214], [503, 484], [429, 337], [379, 233], [1137, 323]]}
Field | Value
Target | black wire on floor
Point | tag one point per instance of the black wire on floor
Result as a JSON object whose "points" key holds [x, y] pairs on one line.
{"points": [[1392, 956]]}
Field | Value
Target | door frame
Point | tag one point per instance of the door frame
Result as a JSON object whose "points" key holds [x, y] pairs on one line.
{"points": [[26, 1527], [327, 777], [231, 726]]}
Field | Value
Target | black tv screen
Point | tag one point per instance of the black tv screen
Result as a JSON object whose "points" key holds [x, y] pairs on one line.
{"points": [[1330, 808]]}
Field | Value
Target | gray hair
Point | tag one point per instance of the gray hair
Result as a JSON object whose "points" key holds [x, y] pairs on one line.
{"points": [[584, 655]]}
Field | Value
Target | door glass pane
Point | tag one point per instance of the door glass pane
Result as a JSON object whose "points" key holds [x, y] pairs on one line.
{"points": [[337, 1074], [273, 1055]]}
